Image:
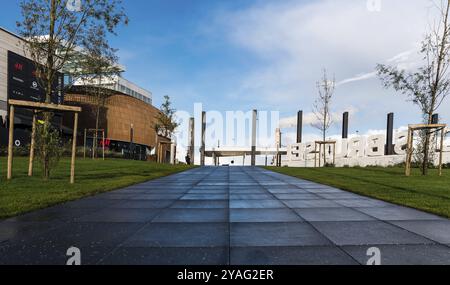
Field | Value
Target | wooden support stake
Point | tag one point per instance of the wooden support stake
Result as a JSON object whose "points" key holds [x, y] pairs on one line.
{"points": [[315, 155], [85, 141], [320, 156], [10, 142], [103, 144], [441, 153], [32, 146], [74, 149], [334, 154], [409, 152]]}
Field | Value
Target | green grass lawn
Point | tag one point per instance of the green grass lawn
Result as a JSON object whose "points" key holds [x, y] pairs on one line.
{"points": [[24, 194], [430, 194]]}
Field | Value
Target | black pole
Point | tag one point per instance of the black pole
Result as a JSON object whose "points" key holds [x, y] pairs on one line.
{"points": [[390, 135], [300, 127], [435, 119], [345, 125]]}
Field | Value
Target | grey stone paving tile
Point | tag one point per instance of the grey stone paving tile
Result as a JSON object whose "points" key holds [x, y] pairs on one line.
{"points": [[339, 196], [46, 254], [157, 197], [169, 235], [205, 197], [251, 197], [404, 254], [298, 204], [287, 191], [192, 216], [168, 256], [438, 231], [275, 234], [367, 233], [305, 255], [263, 216], [256, 204], [90, 203], [23, 229], [332, 215], [121, 216], [54, 215], [143, 204], [201, 204], [398, 213], [294, 196], [363, 203]]}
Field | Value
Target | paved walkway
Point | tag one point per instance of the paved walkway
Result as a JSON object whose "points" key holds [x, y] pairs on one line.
{"points": [[220, 216]]}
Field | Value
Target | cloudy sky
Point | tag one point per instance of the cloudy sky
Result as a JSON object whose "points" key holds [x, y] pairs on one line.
{"points": [[246, 54]]}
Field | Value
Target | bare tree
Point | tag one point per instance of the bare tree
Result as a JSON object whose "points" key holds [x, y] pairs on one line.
{"points": [[321, 108], [429, 85], [53, 30]]}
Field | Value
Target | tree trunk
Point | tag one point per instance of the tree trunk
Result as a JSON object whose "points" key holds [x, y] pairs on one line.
{"points": [[426, 150], [48, 91], [97, 117]]}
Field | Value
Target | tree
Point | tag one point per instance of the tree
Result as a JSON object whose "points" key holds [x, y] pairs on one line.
{"points": [[54, 29], [99, 65], [166, 124], [321, 108], [429, 85]]}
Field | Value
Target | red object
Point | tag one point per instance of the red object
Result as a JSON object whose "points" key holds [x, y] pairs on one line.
{"points": [[107, 143], [18, 67]]}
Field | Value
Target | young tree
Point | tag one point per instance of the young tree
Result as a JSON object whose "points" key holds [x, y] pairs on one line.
{"points": [[53, 30], [166, 124], [98, 66], [321, 108], [429, 85]]}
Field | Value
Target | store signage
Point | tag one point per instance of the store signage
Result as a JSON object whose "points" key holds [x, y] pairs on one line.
{"points": [[23, 83]]}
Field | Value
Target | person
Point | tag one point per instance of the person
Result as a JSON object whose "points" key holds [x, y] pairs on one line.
{"points": [[188, 159]]}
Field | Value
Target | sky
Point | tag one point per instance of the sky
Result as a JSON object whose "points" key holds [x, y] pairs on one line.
{"points": [[235, 55]]}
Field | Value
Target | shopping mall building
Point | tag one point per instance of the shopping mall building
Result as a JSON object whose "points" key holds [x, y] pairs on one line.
{"points": [[127, 115]]}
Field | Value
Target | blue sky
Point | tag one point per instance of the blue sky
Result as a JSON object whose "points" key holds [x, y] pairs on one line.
{"points": [[245, 54]]}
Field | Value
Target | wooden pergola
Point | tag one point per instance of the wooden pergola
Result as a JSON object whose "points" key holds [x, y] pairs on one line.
{"points": [[320, 144], [432, 128], [39, 107]]}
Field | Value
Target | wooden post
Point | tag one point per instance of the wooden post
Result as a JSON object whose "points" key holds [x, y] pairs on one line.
{"points": [[409, 152], [320, 155], [74, 149], [441, 151], [334, 154], [33, 141], [94, 144], [315, 155], [103, 144], [85, 141], [10, 142]]}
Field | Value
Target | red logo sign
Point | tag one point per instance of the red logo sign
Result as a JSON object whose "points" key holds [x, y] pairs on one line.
{"points": [[18, 67]]}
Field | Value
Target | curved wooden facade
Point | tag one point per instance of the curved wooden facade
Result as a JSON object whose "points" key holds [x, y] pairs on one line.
{"points": [[123, 117]]}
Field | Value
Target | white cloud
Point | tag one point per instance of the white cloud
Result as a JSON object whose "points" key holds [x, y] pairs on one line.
{"points": [[359, 77], [293, 41]]}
